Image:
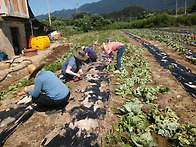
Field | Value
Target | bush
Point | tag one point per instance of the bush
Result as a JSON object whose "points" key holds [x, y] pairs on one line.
{"points": [[186, 20]]}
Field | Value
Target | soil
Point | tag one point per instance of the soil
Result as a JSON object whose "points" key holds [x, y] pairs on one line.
{"points": [[17, 65], [90, 113]]}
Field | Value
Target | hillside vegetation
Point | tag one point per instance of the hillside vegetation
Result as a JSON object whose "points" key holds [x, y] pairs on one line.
{"points": [[85, 21]]}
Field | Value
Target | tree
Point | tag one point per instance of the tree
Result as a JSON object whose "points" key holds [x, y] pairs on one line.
{"points": [[88, 21], [80, 15], [193, 7]]}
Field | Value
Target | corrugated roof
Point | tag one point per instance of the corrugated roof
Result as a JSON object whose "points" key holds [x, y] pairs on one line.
{"points": [[15, 8]]}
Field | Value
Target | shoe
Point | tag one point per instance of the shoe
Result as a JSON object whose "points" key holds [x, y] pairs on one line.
{"points": [[117, 71]]}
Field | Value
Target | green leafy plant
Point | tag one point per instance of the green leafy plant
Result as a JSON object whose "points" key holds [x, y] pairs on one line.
{"points": [[185, 136], [163, 89], [134, 123], [145, 140], [170, 67], [165, 121], [111, 67], [147, 92]]}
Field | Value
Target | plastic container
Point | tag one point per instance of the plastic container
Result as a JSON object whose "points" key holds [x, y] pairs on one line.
{"points": [[40, 42], [30, 52], [29, 44], [55, 34]]}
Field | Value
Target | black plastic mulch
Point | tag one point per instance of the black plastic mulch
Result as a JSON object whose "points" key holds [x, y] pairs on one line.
{"points": [[181, 73]]}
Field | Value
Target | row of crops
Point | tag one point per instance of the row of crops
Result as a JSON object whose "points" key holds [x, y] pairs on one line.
{"points": [[185, 30], [171, 40], [136, 126], [163, 36], [182, 74]]}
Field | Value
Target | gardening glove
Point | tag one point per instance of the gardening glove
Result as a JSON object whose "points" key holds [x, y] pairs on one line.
{"points": [[78, 75]]}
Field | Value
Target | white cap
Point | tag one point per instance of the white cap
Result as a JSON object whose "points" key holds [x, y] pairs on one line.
{"points": [[83, 47]]}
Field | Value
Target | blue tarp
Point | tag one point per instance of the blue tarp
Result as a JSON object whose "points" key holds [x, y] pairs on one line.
{"points": [[1, 55]]}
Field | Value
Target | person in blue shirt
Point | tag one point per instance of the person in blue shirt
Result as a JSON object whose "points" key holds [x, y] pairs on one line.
{"points": [[73, 66], [90, 53], [49, 91]]}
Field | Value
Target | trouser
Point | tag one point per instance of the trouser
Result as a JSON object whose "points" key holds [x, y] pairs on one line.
{"points": [[45, 101], [90, 60], [74, 69], [119, 55], [94, 59]]}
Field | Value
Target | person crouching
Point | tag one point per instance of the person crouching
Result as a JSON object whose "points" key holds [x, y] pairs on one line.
{"points": [[73, 66], [49, 91], [90, 53]]}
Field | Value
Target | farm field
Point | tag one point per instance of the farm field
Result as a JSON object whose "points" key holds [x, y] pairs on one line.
{"points": [[150, 103]]}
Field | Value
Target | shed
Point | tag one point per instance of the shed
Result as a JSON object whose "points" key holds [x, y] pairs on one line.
{"points": [[16, 26], [13, 16]]}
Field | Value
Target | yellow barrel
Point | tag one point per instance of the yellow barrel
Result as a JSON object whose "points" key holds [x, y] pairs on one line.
{"points": [[34, 42], [40, 42], [46, 40]]}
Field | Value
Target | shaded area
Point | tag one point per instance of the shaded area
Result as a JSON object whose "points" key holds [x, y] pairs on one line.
{"points": [[14, 117], [12, 113], [71, 139], [83, 112], [19, 115], [183, 75]]}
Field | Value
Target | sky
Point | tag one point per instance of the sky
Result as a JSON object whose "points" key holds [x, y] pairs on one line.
{"points": [[39, 7]]}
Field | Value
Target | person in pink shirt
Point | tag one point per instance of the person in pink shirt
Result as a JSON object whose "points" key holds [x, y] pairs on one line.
{"points": [[110, 48]]}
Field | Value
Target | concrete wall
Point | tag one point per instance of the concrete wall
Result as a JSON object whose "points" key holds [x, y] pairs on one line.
{"points": [[6, 43]]}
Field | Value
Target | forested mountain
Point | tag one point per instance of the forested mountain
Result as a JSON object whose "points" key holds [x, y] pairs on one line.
{"points": [[108, 6], [128, 13]]}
